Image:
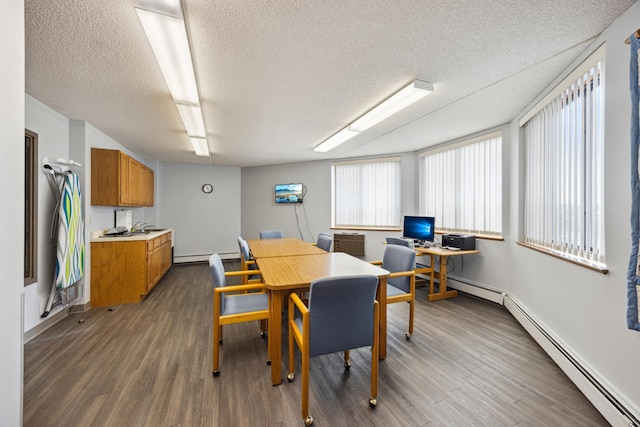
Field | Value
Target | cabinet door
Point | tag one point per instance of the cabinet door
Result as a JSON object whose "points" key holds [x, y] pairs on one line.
{"points": [[146, 186], [123, 180], [166, 256], [134, 182]]}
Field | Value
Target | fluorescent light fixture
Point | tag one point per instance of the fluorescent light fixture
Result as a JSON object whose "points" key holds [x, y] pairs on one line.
{"points": [[192, 119], [168, 38], [200, 146], [163, 22], [404, 97], [335, 140]]}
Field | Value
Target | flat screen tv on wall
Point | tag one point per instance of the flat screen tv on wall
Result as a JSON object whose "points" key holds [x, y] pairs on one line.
{"points": [[289, 193]]}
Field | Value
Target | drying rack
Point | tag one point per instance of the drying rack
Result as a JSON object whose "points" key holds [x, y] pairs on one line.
{"points": [[67, 231]]}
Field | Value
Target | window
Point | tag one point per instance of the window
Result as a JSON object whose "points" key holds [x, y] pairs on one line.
{"points": [[461, 186], [30, 207], [366, 193], [564, 181]]}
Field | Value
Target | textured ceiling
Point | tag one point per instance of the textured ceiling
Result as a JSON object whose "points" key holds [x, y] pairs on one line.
{"points": [[278, 77]]}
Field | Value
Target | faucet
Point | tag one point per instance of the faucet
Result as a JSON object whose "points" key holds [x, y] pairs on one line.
{"points": [[139, 226]]}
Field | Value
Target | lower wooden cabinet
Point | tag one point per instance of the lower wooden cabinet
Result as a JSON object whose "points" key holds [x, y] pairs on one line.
{"points": [[124, 272]]}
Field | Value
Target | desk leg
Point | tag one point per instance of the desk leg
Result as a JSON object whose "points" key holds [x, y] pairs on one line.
{"points": [[442, 277], [382, 300], [275, 336]]}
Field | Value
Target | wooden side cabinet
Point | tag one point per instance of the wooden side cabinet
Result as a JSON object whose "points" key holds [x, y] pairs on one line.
{"points": [[120, 180], [124, 272]]}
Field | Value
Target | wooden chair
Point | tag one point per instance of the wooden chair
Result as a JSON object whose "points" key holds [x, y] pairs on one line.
{"points": [[401, 284], [247, 262], [419, 268], [235, 304], [324, 242], [271, 234], [342, 315]]}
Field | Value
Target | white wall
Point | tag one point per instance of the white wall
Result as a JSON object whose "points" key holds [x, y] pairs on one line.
{"points": [[304, 221], [12, 242], [202, 223], [586, 310]]}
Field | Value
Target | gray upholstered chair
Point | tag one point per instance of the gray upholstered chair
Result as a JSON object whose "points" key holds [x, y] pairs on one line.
{"points": [[271, 234], [247, 262], [419, 268], [324, 242], [234, 304], [401, 284], [342, 314]]}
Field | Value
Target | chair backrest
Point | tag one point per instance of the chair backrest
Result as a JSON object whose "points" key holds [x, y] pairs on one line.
{"points": [[391, 240], [217, 274], [341, 313], [322, 233], [399, 258], [246, 254], [324, 242], [271, 234]]}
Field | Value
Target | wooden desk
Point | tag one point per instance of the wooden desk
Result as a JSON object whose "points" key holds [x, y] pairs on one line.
{"points": [[442, 274], [283, 275], [263, 248]]}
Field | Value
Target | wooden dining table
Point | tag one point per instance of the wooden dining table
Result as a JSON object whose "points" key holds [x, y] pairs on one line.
{"points": [[264, 248], [285, 274]]}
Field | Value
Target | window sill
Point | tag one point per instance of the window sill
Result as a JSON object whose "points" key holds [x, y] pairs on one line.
{"points": [[599, 269], [368, 228]]}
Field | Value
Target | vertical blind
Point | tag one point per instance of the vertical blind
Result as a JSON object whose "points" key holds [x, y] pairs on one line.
{"points": [[564, 182], [366, 193], [462, 186]]}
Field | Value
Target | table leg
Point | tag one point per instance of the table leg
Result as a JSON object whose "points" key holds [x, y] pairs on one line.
{"points": [[275, 336], [382, 300], [442, 278]]}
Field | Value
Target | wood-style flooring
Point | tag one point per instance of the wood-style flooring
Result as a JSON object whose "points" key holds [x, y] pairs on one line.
{"points": [[469, 363]]}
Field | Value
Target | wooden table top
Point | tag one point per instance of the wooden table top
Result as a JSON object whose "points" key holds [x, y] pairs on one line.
{"points": [[262, 248], [444, 251], [296, 272]]}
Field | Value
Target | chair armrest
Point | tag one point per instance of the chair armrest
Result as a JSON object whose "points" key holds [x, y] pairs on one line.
{"points": [[402, 274], [376, 262], [294, 300], [241, 273], [240, 288]]}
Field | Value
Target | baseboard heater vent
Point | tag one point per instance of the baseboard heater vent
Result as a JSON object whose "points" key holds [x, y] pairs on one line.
{"points": [[609, 406], [183, 259], [476, 289], [352, 244]]}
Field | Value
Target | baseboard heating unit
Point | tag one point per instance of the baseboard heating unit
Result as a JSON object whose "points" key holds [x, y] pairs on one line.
{"points": [[183, 259], [611, 407]]}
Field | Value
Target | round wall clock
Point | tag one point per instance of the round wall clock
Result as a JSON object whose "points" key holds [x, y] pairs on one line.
{"points": [[207, 188]]}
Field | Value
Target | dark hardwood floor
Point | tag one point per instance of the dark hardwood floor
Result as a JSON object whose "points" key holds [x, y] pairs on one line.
{"points": [[469, 363]]}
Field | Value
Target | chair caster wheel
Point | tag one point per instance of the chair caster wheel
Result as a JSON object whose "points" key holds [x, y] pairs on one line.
{"points": [[220, 342], [347, 365], [407, 336], [269, 362], [373, 402], [290, 377], [216, 373], [263, 334], [308, 421]]}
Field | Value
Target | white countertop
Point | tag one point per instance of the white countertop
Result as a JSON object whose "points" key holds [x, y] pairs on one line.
{"points": [[97, 236]]}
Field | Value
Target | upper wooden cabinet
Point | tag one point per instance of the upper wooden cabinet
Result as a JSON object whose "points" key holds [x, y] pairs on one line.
{"points": [[119, 180]]}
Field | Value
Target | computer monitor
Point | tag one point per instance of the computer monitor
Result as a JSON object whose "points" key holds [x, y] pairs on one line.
{"points": [[420, 228]]}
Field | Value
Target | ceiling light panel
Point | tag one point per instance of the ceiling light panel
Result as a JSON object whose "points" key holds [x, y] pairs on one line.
{"points": [[406, 96], [192, 119], [168, 38]]}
